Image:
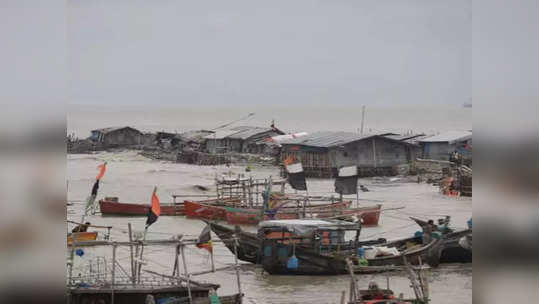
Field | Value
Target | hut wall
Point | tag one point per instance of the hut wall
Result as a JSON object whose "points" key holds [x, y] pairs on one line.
{"points": [[126, 136], [361, 153], [214, 145], [233, 144], [320, 162], [438, 150], [315, 162]]}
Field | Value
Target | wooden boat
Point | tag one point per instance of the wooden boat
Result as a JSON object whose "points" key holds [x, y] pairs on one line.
{"points": [[113, 207], [252, 216], [250, 244], [204, 210], [81, 236], [320, 248]]}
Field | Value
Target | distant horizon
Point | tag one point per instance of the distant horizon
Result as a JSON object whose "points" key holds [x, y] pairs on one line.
{"points": [[429, 119]]}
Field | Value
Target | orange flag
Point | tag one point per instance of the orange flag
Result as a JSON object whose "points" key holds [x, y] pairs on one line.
{"points": [[102, 168], [288, 161], [155, 209]]}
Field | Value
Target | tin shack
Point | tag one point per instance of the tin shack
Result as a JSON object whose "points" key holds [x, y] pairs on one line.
{"points": [[243, 139], [441, 146], [323, 153], [116, 136]]}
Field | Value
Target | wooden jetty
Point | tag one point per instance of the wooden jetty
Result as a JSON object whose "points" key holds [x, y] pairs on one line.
{"points": [[418, 276], [113, 283]]}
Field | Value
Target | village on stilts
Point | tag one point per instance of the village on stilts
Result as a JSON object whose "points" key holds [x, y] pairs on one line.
{"points": [[220, 215]]}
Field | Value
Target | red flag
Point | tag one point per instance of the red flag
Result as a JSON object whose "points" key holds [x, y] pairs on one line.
{"points": [[155, 209], [102, 168]]}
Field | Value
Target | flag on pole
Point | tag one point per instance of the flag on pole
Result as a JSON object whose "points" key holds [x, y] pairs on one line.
{"points": [[296, 176], [204, 240], [91, 199], [102, 168], [155, 209], [346, 181], [288, 161]]}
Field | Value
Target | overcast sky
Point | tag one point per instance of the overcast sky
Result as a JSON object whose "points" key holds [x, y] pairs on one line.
{"points": [[244, 52]]}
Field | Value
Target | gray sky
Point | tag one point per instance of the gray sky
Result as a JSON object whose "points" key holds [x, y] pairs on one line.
{"points": [[244, 52]]}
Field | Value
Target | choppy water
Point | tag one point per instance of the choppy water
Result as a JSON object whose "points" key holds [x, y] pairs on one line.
{"points": [[132, 178]]}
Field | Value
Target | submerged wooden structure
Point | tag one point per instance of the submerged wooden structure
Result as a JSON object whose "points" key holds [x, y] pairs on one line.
{"points": [[417, 275], [111, 282], [322, 153]]}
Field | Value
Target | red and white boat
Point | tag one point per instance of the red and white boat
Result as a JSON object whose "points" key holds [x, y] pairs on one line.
{"points": [[213, 209], [110, 206], [250, 216]]}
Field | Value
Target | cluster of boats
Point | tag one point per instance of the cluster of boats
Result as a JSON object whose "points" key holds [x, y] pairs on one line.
{"points": [[321, 247], [236, 205], [298, 235]]}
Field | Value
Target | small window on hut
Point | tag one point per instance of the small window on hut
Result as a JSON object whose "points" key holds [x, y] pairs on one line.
{"points": [[345, 154]]}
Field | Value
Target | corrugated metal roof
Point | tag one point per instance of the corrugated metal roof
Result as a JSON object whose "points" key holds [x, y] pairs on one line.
{"points": [[220, 134], [450, 136], [246, 132], [112, 129], [195, 136], [241, 132], [326, 139], [403, 137]]}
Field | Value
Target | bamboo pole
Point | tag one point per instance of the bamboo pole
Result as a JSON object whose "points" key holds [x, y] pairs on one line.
{"points": [[186, 274], [131, 253], [141, 253], [176, 267], [113, 275], [71, 262], [236, 263]]}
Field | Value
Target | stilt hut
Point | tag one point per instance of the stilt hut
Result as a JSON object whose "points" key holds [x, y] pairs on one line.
{"points": [[323, 153]]}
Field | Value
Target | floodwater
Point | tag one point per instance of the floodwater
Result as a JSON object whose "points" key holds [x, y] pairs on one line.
{"points": [[132, 177]]}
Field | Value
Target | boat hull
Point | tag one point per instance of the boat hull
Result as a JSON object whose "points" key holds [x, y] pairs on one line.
{"points": [[129, 209], [204, 211], [248, 216], [275, 256], [248, 243]]}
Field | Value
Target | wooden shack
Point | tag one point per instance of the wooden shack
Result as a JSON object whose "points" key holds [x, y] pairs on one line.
{"points": [[441, 146], [322, 153], [117, 136], [242, 139]]}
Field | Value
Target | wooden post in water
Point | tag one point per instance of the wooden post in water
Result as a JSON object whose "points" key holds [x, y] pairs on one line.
{"points": [[256, 192], [343, 296], [236, 262], [131, 253], [374, 151], [141, 252], [113, 274], [176, 269], [249, 189], [71, 262], [186, 273], [357, 197]]}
